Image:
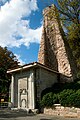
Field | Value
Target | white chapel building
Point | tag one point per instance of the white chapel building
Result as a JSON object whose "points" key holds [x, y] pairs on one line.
{"points": [[28, 82]]}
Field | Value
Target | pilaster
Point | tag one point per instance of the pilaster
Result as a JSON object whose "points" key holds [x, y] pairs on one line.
{"points": [[31, 91], [12, 90]]}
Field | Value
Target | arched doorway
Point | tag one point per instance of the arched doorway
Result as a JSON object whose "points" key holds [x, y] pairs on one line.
{"points": [[23, 93], [23, 103]]}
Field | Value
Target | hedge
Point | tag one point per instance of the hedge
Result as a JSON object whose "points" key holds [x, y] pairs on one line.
{"points": [[67, 97], [49, 100]]}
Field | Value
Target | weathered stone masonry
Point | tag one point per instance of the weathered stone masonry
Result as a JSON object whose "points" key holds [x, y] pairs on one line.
{"points": [[54, 51], [70, 112]]}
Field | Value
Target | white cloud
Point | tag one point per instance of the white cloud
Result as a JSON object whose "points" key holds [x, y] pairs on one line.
{"points": [[13, 30], [19, 59]]}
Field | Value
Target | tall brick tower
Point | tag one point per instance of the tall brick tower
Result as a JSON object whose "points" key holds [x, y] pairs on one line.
{"points": [[54, 51]]}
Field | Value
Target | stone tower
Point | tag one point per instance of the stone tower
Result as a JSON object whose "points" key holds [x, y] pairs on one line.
{"points": [[54, 51]]}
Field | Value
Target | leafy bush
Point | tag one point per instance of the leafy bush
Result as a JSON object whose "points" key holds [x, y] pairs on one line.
{"points": [[70, 98], [77, 99], [65, 97], [55, 99], [67, 94], [49, 100]]}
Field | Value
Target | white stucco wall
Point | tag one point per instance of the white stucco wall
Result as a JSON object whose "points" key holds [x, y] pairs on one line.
{"points": [[15, 94], [46, 79]]}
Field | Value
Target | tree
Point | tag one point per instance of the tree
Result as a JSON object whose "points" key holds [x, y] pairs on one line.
{"points": [[70, 16], [74, 41], [69, 9], [7, 61]]}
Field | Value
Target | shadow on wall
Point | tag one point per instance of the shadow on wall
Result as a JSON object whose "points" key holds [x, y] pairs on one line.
{"points": [[50, 57], [45, 91]]}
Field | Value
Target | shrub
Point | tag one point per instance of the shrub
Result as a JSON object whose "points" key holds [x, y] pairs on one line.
{"points": [[64, 97], [77, 99], [67, 94], [70, 98], [49, 100], [55, 99]]}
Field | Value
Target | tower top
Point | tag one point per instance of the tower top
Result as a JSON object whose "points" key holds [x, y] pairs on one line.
{"points": [[47, 9]]}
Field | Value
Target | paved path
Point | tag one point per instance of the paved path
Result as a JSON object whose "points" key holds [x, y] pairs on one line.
{"points": [[20, 115]]}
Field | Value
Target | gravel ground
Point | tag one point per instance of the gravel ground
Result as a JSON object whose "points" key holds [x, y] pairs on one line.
{"points": [[20, 115]]}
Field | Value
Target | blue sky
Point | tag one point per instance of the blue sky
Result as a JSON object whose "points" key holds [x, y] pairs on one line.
{"points": [[21, 27]]}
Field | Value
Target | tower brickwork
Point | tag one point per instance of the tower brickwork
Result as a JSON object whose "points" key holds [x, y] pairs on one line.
{"points": [[54, 51]]}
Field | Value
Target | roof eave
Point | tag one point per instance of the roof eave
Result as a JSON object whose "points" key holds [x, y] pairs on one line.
{"points": [[37, 64]]}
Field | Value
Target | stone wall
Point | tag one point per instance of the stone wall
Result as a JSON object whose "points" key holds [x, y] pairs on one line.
{"points": [[63, 111], [54, 50]]}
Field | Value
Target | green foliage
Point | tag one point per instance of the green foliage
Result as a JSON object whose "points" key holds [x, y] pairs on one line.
{"points": [[64, 97], [77, 98], [65, 94], [7, 61], [74, 42], [69, 10], [70, 98], [47, 100], [70, 18], [67, 98], [55, 98]]}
